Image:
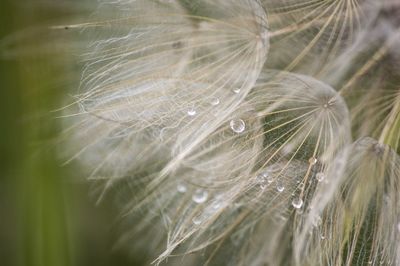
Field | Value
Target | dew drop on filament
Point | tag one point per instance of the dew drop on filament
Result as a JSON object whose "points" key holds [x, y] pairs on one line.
{"points": [[312, 160], [214, 101], [181, 188], [237, 125], [196, 220], [280, 188], [297, 203], [200, 196], [191, 112], [236, 90]]}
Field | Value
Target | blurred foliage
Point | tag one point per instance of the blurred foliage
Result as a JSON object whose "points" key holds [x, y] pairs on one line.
{"points": [[47, 217]]}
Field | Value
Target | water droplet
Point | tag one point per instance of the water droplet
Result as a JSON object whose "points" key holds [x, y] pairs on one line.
{"points": [[200, 196], [214, 101], [312, 160], [236, 90], [216, 205], [181, 188], [320, 176], [280, 187], [270, 179], [196, 220], [237, 125], [261, 181], [191, 112], [260, 178], [297, 203], [322, 237]]}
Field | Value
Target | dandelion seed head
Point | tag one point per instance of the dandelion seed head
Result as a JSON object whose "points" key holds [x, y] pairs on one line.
{"points": [[176, 109]]}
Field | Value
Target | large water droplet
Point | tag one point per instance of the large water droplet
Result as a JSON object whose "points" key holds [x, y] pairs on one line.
{"points": [[237, 125], [297, 203], [200, 196], [280, 187], [320, 176]]}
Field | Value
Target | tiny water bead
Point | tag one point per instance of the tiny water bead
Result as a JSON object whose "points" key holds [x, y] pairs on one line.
{"points": [[191, 112], [261, 181], [237, 125], [181, 188], [200, 196], [214, 101], [280, 187], [196, 220], [216, 205], [297, 203], [320, 176], [312, 160], [260, 178], [236, 90]]}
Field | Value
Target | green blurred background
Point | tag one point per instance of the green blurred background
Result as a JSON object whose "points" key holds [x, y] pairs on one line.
{"points": [[47, 217]]}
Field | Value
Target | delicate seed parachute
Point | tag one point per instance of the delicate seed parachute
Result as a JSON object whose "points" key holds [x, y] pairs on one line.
{"points": [[190, 114]]}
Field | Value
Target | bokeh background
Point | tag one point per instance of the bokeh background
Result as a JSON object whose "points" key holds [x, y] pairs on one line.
{"points": [[47, 214]]}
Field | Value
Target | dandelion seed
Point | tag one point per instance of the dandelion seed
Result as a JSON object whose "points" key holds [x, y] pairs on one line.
{"points": [[153, 63]]}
